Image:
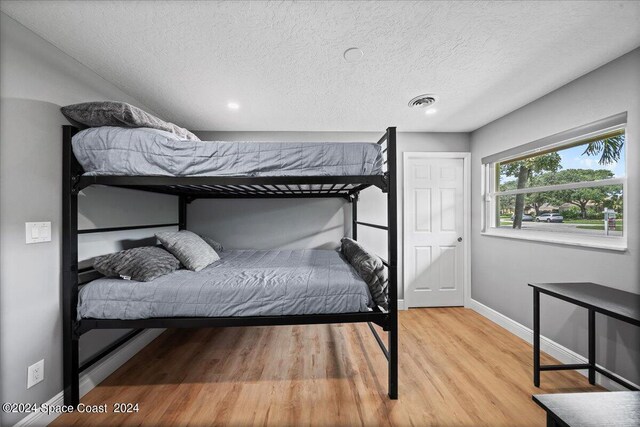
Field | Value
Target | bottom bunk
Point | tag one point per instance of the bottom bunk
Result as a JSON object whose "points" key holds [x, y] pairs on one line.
{"points": [[243, 288], [242, 283]]}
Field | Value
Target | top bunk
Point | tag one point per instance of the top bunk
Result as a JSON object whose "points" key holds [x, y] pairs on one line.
{"points": [[123, 169]]}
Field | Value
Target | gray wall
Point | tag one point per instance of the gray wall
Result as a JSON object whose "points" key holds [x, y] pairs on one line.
{"points": [[311, 223], [501, 268], [35, 80]]}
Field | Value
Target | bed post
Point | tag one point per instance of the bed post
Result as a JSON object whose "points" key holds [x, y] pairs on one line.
{"points": [[392, 218], [71, 170], [182, 212], [354, 216]]}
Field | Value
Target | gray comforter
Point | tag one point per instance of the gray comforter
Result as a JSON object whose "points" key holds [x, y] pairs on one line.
{"points": [[117, 151], [242, 283]]}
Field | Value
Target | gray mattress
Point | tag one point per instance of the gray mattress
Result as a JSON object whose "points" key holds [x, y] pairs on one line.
{"points": [[114, 151], [242, 283]]}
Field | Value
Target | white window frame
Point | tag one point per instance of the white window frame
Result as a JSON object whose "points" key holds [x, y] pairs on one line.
{"points": [[490, 196]]}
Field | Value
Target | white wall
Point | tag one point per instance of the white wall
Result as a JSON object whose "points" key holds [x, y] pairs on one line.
{"points": [[35, 80], [501, 268], [311, 223]]}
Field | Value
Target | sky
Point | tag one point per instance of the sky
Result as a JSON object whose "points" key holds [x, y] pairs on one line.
{"points": [[573, 158]]}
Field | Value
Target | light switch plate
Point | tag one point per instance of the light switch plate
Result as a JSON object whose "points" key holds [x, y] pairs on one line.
{"points": [[38, 232]]}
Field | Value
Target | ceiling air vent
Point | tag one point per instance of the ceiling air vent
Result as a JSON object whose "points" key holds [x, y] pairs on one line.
{"points": [[423, 101]]}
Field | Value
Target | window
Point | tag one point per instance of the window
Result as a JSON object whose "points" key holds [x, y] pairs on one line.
{"points": [[568, 188]]}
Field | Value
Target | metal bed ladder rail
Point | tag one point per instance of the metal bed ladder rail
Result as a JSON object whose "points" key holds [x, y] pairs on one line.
{"points": [[391, 326]]}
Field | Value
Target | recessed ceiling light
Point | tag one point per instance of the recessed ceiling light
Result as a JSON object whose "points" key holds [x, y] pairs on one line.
{"points": [[431, 111], [233, 105], [353, 54]]}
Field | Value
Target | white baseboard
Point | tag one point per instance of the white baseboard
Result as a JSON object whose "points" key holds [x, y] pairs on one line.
{"points": [[552, 348], [401, 304], [95, 375]]}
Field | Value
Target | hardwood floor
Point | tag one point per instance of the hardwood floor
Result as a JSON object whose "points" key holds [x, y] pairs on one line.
{"points": [[456, 369]]}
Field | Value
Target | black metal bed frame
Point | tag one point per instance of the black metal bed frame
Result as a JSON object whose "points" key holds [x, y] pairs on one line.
{"points": [[191, 188]]}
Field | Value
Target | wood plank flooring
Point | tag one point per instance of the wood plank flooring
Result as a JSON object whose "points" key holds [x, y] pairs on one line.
{"points": [[456, 369]]}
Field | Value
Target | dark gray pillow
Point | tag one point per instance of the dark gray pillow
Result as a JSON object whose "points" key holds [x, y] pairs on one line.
{"points": [[370, 269], [193, 252], [139, 264], [121, 114], [215, 245]]}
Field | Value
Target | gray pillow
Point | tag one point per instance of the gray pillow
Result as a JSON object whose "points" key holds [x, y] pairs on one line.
{"points": [[215, 245], [193, 252], [370, 269], [140, 264], [121, 114]]}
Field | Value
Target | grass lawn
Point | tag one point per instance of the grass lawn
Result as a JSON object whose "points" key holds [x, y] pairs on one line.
{"points": [[586, 224], [598, 227], [587, 221]]}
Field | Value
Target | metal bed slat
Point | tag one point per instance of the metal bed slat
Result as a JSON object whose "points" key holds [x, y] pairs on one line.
{"points": [[339, 191], [125, 228], [276, 189], [236, 188], [168, 181], [198, 188], [305, 195], [241, 189], [249, 189], [224, 189], [266, 189]]}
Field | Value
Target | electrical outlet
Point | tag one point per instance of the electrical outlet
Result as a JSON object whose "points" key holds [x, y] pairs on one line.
{"points": [[35, 373]]}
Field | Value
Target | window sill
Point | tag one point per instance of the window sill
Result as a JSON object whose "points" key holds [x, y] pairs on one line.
{"points": [[612, 243]]}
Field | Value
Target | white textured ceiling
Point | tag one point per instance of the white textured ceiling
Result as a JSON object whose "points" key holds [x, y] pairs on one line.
{"points": [[282, 61]]}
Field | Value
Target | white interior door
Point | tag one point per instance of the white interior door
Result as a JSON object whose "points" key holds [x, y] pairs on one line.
{"points": [[434, 230]]}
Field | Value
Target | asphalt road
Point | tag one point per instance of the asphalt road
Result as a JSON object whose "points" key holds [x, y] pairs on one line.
{"points": [[562, 227]]}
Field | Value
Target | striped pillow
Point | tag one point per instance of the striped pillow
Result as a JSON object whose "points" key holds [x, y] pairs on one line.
{"points": [[370, 269], [120, 114], [140, 264]]}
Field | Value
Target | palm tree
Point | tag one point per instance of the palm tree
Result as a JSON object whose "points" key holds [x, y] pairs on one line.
{"points": [[610, 149]]}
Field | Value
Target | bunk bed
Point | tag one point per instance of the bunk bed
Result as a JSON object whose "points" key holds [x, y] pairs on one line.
{"points": [[190, 188]]}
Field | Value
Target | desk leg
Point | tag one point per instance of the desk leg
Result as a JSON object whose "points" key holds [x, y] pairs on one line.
{"points": [[536, 338], [592, 347]]}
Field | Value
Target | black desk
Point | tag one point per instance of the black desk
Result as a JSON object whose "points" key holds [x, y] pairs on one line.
{"points": [[618, 408], [611, 302]]}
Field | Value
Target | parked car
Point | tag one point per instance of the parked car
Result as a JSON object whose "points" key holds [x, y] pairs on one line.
{"points": [[549, 217], [525, 217]]}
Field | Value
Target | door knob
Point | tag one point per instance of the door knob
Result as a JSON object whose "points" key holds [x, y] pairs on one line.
{"points": [[459, 239]]}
